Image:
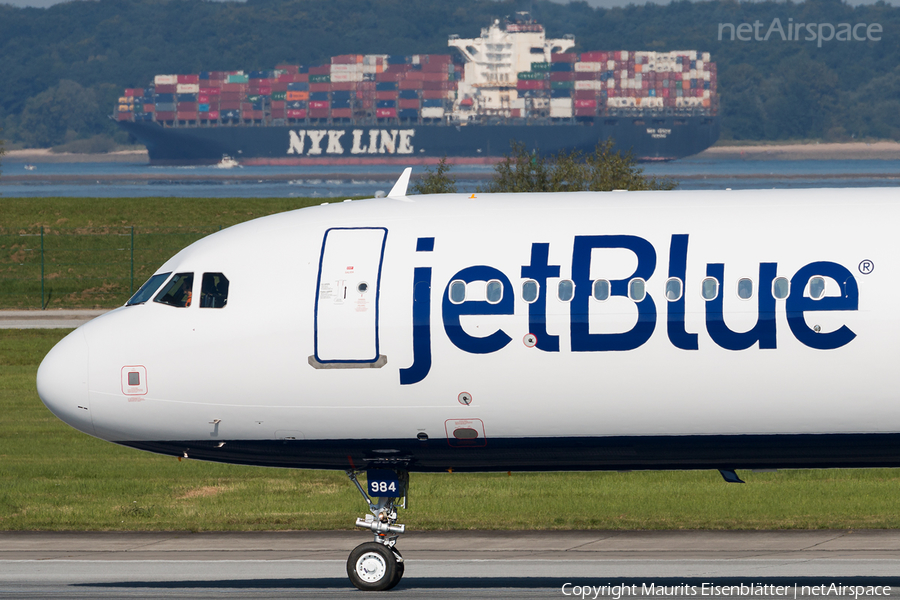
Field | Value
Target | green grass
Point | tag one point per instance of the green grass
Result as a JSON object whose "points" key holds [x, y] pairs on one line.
{"points": [[55, 478], [95, 252]]}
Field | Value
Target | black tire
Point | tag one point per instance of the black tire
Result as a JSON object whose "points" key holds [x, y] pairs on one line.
{"points": [[372, 567], [398, 574]]}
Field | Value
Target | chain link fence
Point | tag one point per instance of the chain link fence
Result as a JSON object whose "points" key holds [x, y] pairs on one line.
{"points": [[53, 267]]}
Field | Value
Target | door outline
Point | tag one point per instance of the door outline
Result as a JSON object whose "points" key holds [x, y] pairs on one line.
{"points": [[377, 360]]}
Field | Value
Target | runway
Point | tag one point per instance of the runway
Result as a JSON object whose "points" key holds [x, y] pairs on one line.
{"points": [[471, 564]]}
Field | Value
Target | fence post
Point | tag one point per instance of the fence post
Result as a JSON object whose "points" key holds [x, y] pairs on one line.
{"points": [[132, 261], [42, 269]]}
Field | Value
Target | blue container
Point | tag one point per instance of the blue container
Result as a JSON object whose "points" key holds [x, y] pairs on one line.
{"points": [[185, 97], [562, 67], [165, 98], [705, 85], [342, 95], [298, 86], [385, 86], [340, 103], [258, 105], [652, 93], [408, 113], [203, 108], [296, 104], [561, 93], [204, 74], [409, 94], [432, 103], [318, 96], [165, 107], [386, 104]]}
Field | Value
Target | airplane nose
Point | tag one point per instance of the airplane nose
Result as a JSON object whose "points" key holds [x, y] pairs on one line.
{"points": [[62, 382]]}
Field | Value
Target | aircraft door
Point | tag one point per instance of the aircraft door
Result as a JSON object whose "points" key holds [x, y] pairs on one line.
{"points": [[346, 313]]}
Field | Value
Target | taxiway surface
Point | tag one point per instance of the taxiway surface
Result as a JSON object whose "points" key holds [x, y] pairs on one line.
{"points": [[472, 564]]}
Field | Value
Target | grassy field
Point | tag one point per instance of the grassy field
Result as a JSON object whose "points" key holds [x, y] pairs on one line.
{"points": [[95, 252], [55, 478]]}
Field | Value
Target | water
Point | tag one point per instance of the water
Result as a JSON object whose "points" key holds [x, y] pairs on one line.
{"points": [[137, 179]]}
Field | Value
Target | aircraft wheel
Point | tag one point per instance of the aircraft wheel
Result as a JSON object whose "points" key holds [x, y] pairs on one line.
{"points": [[401, 566], [372, 567]]}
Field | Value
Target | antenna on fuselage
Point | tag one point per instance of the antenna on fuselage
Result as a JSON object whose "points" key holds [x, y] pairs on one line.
{"points": [[399, 189]]}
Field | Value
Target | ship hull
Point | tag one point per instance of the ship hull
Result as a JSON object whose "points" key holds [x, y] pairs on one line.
{"points": [[648, 138]]}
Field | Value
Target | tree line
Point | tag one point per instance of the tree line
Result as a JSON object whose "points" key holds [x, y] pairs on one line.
{"points": [[64, 67]]}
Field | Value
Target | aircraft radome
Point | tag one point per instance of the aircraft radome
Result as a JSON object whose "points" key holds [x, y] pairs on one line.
{"points": [[509, 332]]}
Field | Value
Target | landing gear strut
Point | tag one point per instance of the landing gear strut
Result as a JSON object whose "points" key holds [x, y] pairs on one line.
{"points": [[378, 565]]}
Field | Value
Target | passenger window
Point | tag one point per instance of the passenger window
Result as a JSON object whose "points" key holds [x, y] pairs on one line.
{"points": [[745, 289], [530, 291], [565, 290], [178, 291], [673, 289], [637, 289], [781, 287], [817, 287], [148, 289], [601, 290], [214, 291], [709, 288], [494, 291], [457, 291]]}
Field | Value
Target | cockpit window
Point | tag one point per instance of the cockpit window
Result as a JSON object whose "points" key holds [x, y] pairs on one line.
{"points": [[214, 290], [178, 291], [148, 289]]}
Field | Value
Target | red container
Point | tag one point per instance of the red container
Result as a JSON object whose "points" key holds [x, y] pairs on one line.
{"points": [[409, 103], [301, 77], [347, 59], [314, 104], [235, 87], [320, 87], [246, 107], [585, 103], [342, 113], [289, 69], [124, 116], [530, 84], [365, 85], [584, 94], [515, 113], [386, 113], [344, 86], [318, 113], [149, 108], [217, 75], [279, 86], [416, 75], [278, 113], [410, 84], [562, 76], [391, 95], [187, 115], [188, 79], [203, 98], [388, 76], [585, 112], [586, 76], [434, 94], [185, 107], [439, 76], [564, 57], [367, 104], [265, 90], [296, 113], [276, 104], [166, 89], [211, 91], [594, 57], [165, 116], [320, 70]]}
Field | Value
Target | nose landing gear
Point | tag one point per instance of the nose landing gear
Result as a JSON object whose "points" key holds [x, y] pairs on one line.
{"points": [[378, 565]]}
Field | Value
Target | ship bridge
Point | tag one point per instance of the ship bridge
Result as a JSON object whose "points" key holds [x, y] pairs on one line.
{"points": [[494, 59]]}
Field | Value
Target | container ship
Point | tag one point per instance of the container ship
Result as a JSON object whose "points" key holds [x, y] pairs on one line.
{"points": [[510, 84]]}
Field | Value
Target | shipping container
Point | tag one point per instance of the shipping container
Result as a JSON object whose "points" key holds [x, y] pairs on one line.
{"points": [[386, 113]]}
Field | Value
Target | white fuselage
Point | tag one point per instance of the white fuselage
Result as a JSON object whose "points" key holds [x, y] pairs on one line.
{"points": [[301, 368]]}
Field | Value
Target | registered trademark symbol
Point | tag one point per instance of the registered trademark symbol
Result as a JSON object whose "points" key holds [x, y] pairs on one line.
{"points": [[866, 267]]}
